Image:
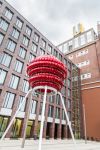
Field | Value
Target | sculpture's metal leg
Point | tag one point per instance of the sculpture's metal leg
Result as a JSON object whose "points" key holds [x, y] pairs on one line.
{"points": [[42, 118], [11, 122], [69, 124], [27, 117]]}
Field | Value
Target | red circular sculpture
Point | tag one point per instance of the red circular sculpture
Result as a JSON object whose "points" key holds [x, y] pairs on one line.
{"points": [[46, 70]]}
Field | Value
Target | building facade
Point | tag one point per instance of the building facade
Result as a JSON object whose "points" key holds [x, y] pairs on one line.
{"points": [[84, 51], [20, 42]]}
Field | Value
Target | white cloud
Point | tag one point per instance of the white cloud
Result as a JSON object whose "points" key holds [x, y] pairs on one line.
{"points": [[55, 18]]}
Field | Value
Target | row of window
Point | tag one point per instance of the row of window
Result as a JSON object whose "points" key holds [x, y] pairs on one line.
{"points": [[78, 41], [82, 64], [9, 101], [81, 53]]}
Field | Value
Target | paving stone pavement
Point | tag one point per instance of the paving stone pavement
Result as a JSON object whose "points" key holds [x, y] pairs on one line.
{"points": [[49, 145]]}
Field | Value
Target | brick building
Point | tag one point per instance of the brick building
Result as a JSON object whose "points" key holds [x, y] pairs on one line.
{"points": [[20, 42], [84, 51]]}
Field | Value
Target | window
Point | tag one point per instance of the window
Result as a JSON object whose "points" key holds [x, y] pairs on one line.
{"points": [[63, 115], [85, 76], [3, 75], [58, 99], [82, 39], [19, 23], [40, 111], [8, 13], [15, 33], [69, 115], [11, 45], [50, 111], [42, 52], [70, 45], [28, 30], [69, 65], [21, 98], [89, 36], [69, 104], [5, 59], [81, 53], [25, 86], [60, 57], [33, 107], [25, 41], [14, 82], [31, 57], [49, 49], [1, 38], [65, 61], [65, 47], [43, 44], [22, 52], [18, 66], [69, 74], [34, 47], [69, 83], [36, 37], [8, 100], [76, 44], [57, 114], [51, 98], [3, 24], [69, 93], [55, 53], [84, 63]]}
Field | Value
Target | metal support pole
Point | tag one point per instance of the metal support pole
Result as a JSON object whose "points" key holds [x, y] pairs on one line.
{"points": [[11, 122], [42, 118], [84, 124], [69, 124], [27, 117]]}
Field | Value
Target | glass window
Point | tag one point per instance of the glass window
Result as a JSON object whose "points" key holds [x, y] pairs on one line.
{"points": [[25, 41], [19, 23], [89, 36], [31, 57], [1, 38], [15, 33], [3, 75], [43, 44], [63, 115], [51, 98], [5, 59], [14, 82], [3, 124], [69, 83], [58, 99], [8, 13], [60, 57], [69, 93], [22, 52], [69, 104], [21, 98], [25, 86], [82, 39], [50, 49], [69, 115], [8, 100], [3, 24], [55, 53], [42, 52], [11, 45], [57, 114], [33, 107], [36, 37], [28, 30], [70, 45], [34, 47], [18, 66], [50, 111], [76, 43]]}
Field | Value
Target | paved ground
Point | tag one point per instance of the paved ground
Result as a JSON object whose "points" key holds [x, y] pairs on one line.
{"points": [[49, 145]]}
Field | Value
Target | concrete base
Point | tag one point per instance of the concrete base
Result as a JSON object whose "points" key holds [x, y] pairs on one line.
{"points": [[49, 145]]}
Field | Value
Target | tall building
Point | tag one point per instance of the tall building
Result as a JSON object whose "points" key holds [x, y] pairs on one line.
{"points": [[84, 51], [20, 42]]}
